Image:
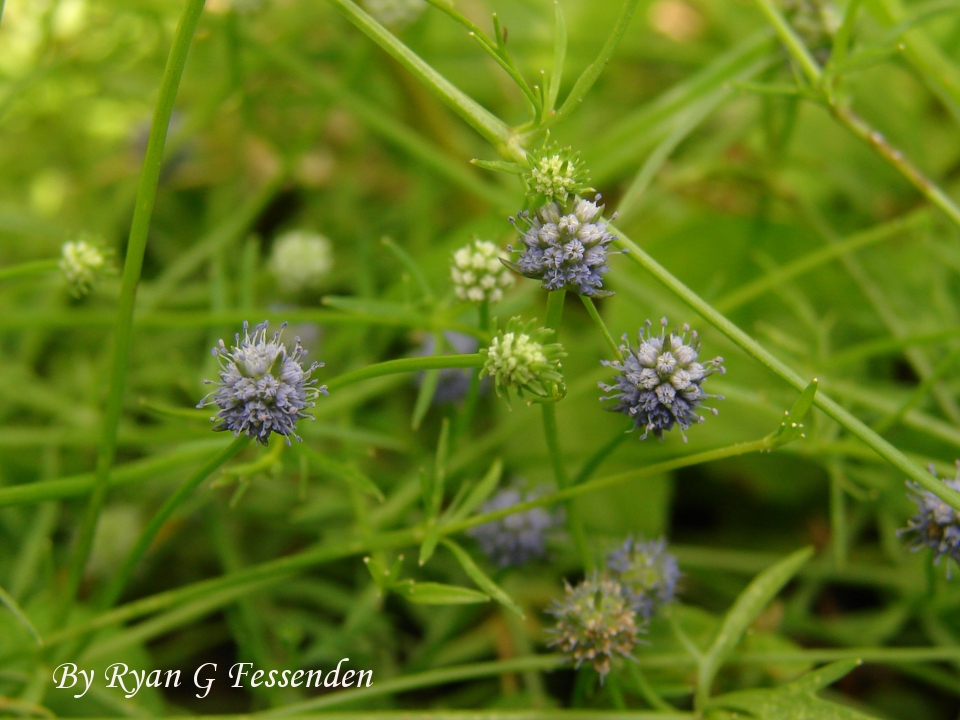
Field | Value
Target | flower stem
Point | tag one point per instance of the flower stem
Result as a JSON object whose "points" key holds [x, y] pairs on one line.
{"points": [[549, 412], [34, 267], [136, 246], [404, 365], [149, 533], [595, 316]]}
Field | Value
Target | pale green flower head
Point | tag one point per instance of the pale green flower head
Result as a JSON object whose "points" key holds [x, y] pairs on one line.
{"points": [[300, 260], [519, 358], [556, 174], [82, 264]]}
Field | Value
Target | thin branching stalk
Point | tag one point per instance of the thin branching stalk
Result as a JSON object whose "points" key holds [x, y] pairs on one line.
{"points": [[133, 263]]}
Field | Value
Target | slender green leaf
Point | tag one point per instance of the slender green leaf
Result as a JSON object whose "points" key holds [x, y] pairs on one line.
{"points": [[744, 612], [20, 616], [559, 56], [795, 701], [480, 578], [480, 492], [431, 593]]}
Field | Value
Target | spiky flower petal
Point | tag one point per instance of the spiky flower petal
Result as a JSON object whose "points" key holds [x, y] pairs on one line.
{"points": [[300, 260], [595, 623], [263, 389], [555, 174], [936, 524], [520, 358], [82, 264], [647, 573], [659, 382], [518, 538], [478, 274], [565, 250]]}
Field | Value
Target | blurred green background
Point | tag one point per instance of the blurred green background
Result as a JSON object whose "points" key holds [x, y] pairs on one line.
{"points": [[288, 118]]}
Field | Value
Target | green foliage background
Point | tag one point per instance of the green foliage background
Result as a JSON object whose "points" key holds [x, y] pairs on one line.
{"points": [[749, 192]]}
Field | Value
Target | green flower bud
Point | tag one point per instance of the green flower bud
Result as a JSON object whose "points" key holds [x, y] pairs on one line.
{"points": [[520, 358]]}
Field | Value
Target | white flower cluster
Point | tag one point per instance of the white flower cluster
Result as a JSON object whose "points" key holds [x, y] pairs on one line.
{"points": [[478, 274], [82, 264], [300, 259]]}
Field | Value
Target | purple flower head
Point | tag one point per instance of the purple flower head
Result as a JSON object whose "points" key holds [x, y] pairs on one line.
{"points": [[518, 538], [565, 250], [659, 381], [263, 389], [647, 573], [936, 524]]}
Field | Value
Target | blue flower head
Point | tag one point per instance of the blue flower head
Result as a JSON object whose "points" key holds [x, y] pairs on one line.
{"points": [[565, 250], [647, 573], [518, 538], [263, 389], [936, 524], [595, 623], [659, 382]]}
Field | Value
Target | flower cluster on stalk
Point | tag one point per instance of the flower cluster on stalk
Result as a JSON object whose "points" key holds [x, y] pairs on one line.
{"points": [[564, 239], [263, 388], [659, 382], [601, 617], [936, 524]]}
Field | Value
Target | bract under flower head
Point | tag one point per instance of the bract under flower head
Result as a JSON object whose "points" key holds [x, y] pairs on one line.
{"points": [[936, 524], [478, 274], [82, 264], [659, 382], [520, 358], [263, 389], [518, 538], [595, 623], [565, 250], [647, 573]]}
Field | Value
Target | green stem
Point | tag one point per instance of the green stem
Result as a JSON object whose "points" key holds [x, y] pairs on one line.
{"points": [[282, 568], [549, 413], [136, 246], [482, 120], [595, 460], [554, 310], [595, 316], [791, 40], [404, 365], [34, 267], [119, 581], [884, 449]]}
